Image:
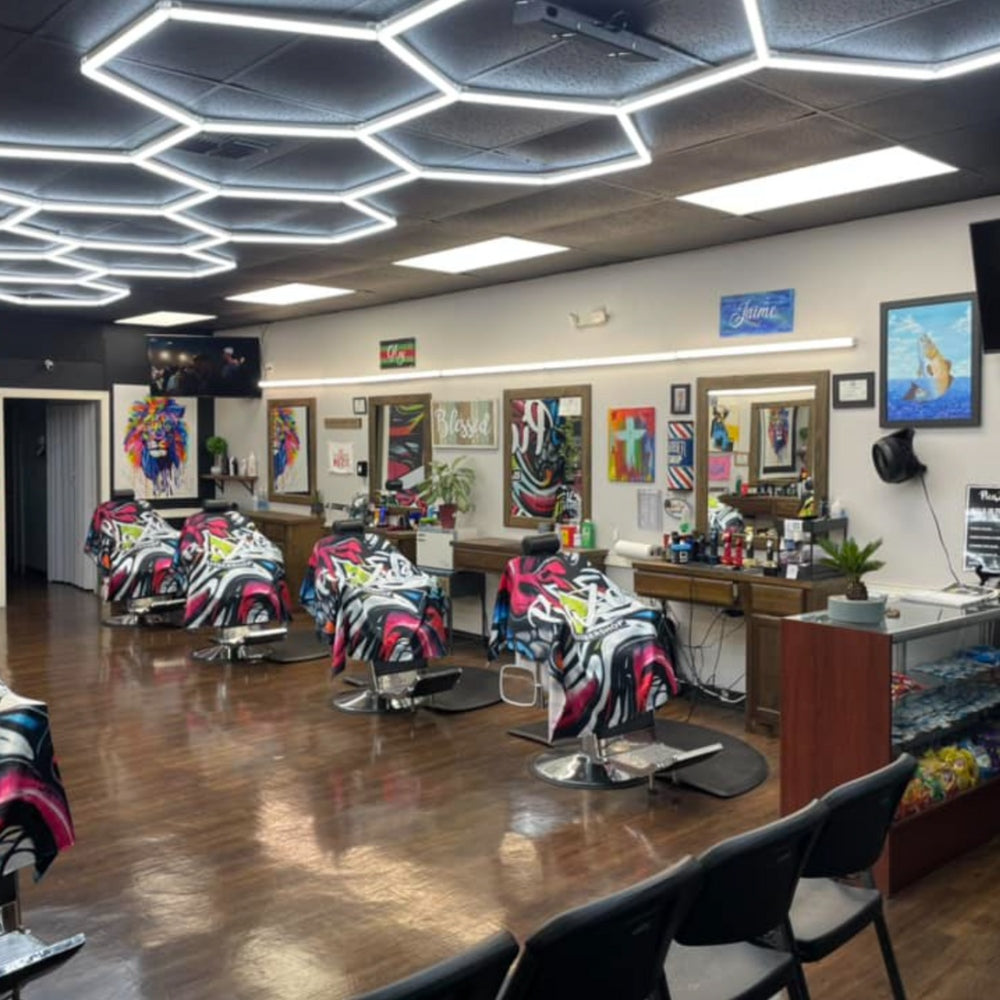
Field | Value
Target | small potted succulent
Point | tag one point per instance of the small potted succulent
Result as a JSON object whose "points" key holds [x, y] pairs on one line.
{"points": [[449, 486], [217, 447], [853, 561]]}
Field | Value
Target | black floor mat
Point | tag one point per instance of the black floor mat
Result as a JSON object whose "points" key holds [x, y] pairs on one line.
{"points": [[736, 769], [478, 688], [297, 647]]}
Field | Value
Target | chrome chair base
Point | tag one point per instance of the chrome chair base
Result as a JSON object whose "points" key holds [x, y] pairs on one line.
{"points": [[149, 611], [242, 642], [574, 769], [396, 691]]}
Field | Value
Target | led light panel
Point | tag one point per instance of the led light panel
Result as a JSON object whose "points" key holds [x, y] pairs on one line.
{"points": [[478, 256], [163, 317], [290, 294], [884, 167]]}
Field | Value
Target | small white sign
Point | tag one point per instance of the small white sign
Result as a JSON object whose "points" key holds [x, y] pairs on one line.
{"points": [[570, 406]]}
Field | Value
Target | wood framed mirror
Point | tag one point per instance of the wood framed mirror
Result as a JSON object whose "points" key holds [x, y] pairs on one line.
{"points": [[760, 429], [399, 440], [291, 450], [547, 451]]}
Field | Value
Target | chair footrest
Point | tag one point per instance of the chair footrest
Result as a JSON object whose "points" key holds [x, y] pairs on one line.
{"points": [[24, 957], [436, 682]]}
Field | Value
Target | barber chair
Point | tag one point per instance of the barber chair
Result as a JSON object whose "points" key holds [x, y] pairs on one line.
{"points": [[374, 605], [607, 659], [136, 555], [236, 583]]}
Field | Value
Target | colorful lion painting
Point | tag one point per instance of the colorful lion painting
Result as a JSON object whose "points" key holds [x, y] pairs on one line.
{"points": [[286, 445], [156, 443]]}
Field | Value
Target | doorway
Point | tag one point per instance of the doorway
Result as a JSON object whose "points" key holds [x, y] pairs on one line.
{"points": [[55, 468]]}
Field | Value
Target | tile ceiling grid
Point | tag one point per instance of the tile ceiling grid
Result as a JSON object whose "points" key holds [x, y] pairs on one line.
{"points": [[26, 213]]}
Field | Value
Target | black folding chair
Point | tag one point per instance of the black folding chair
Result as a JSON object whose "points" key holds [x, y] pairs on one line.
{"points": [[828, 911], [612, 949], [475, 975], [747, 887]]}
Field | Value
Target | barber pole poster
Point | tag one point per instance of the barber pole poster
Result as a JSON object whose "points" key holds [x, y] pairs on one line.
{"points": [[680, 455]]}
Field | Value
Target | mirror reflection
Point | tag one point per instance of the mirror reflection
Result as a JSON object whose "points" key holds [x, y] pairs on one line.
{"points": [[291, 467], [763, 431], [399, 440]]}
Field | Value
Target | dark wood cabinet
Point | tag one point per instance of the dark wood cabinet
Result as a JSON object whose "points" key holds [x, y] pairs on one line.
{"points": [[295, 535], [764, 600], [837, 724]]}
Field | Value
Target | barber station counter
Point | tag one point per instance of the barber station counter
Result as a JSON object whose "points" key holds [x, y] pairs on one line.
{"points": [[491, 555], [764, 601]]}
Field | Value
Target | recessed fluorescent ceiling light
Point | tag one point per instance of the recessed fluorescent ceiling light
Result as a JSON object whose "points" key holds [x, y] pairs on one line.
{"points": [[163, 318], [290, 294], [894, 165], [476, 256]]}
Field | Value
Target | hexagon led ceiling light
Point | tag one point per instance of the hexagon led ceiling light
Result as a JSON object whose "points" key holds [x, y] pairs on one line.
{"points": [[374, 130]]}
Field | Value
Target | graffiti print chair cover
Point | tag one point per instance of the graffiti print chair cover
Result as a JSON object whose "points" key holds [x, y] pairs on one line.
{"points": [[236, 581], [373, 604], [35, 825], [607, 655], [136, 555]]}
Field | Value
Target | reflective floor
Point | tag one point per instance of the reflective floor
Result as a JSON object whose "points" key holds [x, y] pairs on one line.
{"points": [[237, 838]]}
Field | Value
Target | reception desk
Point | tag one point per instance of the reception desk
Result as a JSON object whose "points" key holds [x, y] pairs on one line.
{"points": [[763, 600]]}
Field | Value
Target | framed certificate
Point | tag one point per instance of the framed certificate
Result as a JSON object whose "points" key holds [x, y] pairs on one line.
{"points": [[854, 390]]}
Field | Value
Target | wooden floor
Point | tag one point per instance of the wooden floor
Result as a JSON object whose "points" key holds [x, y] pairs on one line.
{"points": [[237, 838]]}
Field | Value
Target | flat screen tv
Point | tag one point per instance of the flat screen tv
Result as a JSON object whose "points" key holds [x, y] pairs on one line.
{"points": [[986, 260], [203, 366]]}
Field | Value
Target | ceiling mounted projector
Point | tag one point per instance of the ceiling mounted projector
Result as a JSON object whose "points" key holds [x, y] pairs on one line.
{"points": [[894, 459]]}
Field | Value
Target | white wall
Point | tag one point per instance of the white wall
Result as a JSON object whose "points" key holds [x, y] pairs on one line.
{"points": [[840, 275]]}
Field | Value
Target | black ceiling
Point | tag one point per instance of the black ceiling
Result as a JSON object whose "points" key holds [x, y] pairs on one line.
{"points": [[766, 121]]}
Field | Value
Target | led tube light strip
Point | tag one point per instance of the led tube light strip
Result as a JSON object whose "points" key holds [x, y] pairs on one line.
{"points": [[692, 354]]}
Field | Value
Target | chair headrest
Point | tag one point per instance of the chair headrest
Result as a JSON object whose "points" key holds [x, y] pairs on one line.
{"points": [[540, 545], [394, 485], [351, 526], [215, 505], [123, 494]]}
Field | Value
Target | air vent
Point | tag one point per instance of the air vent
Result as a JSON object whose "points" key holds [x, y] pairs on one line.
{"points": [[226, 147]]}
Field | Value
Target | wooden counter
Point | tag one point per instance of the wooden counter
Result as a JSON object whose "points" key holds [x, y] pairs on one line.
{"points": [[764, 601], [491, 555], [295, 535]]}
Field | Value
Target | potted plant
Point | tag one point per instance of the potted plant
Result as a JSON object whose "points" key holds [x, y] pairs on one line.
{"points": [[853, 561], [449, 486], [217, 447]]}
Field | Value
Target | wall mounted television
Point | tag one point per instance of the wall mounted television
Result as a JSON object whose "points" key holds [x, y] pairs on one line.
{"points": [[203, 366], [986, 261]]}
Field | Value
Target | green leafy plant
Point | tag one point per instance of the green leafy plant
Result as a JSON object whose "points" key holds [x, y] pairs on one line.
{"points": [[450, 484], [854, 561], [216, 445]]}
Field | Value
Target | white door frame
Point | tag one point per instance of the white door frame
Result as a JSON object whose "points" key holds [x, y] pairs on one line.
{"points": [[103, 400]]}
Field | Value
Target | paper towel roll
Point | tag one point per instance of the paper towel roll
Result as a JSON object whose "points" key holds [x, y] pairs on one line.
{"points": [[636, 550]]}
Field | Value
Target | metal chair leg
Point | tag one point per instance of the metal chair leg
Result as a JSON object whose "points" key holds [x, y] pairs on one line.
{"points": [[888, 956]]}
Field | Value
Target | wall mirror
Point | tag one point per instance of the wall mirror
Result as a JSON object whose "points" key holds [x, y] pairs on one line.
{"points": [[760, 429], [291, 446], [399, 440], [547, 442]]}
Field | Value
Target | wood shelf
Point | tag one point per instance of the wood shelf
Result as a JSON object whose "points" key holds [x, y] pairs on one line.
{"points": [[758, 506], [221, 479]]}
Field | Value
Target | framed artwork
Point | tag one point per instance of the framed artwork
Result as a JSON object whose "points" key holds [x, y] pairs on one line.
{"points": [[720, 467], [464, 424], [632, 445], [779, 439], [291, 446], [855, 390], [401, 353], [155, 443], [680, 398], [399, 440], [930, 353], [546, 454], [359, 406]]}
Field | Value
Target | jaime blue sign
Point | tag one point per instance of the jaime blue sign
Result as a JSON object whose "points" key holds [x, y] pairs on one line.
{"points": [[757, 312]]}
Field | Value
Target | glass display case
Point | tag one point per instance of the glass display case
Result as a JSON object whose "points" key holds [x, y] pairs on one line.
{"points": [[925, 682]]}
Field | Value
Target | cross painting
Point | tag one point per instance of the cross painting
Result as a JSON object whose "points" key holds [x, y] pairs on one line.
{"points": [[632, 445]]}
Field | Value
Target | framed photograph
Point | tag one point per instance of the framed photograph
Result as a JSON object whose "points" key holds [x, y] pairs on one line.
{"points": [[855, 390], [680, 398], [359, 405], [930, 353]]}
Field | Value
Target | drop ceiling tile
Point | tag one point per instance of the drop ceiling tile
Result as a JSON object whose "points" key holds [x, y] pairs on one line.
{"points": [[730, 109], [935, 33], [798, 24], [596, 141], [971, 148], [424, 199], [827, 91], [930, 107], [28, 17]]}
